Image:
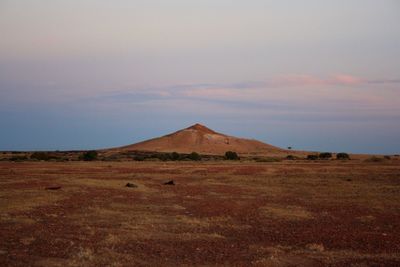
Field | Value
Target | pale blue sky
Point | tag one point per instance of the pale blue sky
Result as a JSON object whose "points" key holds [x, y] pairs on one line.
{"points": [[317, 75]]}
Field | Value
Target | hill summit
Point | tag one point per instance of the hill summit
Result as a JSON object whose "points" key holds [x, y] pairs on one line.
{"points": [[201, 139]]}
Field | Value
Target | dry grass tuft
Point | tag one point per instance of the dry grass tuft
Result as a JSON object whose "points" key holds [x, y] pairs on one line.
{"points": [[286, 212]]}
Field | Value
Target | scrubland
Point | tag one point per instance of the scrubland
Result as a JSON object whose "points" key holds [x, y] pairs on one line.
{"points": [[289, 213]]}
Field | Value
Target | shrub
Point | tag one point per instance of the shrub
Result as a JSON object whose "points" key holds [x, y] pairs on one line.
{"points": [[375, 159], [230, 155], [89, 155], [325, 155], [41, 156], [386, 157], [312, 157], [18, 158], [139, 158], [267, 159], [175, 156], [194, 156], [342, 156], [159, 156], [290, 157]]}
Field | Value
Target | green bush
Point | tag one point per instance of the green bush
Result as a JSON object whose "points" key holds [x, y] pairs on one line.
{"points": [[312, 157], [90, 155], [194, 156], [342, 156], [325, 155], [230, 155]]}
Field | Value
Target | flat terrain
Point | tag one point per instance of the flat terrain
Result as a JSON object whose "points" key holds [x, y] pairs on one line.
{"points": [[290, 213]]}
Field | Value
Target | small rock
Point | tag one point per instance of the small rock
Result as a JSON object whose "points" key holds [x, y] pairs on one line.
{"points": [[130, 185], [56, 187], [316, 247], [170, 183]]}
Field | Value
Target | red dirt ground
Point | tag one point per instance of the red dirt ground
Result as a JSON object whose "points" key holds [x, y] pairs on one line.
{"points": [[218, 214]]}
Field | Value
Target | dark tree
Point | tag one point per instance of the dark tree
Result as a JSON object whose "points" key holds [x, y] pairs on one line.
{"points": [[90, 155], [325, 155], [230, 155], [312, 157], [342, 156], [194, 156], [175, 156], [290, 157]]}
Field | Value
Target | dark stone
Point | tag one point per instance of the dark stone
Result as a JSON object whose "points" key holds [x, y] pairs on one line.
{"points": [[169, 183], [130, 185], [53, 187]]}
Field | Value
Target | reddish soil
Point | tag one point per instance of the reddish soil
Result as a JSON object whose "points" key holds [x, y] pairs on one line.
{"points": [[218, 214]]}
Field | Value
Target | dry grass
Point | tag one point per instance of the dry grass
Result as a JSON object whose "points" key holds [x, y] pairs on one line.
{"points": [[23, 200], [217, 214], [286, 212]]}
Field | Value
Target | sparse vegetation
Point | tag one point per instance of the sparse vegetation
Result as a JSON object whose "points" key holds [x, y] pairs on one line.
{"points": [[194, 156], [342, 156], [175, 156], [139, 158], [231, 155], [211, 204], [325, 155], [18, 158], [375, 159], [89, 155], [312, 157], [119, 213], [267, 159], [42, 156]]}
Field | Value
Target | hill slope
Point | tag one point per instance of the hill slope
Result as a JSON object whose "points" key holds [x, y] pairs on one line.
{"points": [[203, 140]]}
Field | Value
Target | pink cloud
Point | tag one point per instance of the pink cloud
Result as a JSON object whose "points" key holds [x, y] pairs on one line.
{"points": [[344, 79], [310, 80], [211, 92], [298, 80]]}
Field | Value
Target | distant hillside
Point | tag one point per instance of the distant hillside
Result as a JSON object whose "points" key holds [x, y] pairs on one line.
{"points": [[203, 140]]}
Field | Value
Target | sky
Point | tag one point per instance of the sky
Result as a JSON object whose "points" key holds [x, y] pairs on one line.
{"points": [[313, 75]]}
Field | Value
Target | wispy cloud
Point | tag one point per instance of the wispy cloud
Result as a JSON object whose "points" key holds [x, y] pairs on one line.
{"points": [[296, 88], [336, 80]]}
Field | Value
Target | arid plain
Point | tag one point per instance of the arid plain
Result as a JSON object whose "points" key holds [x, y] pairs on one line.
{"points": [[218, 213]]}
